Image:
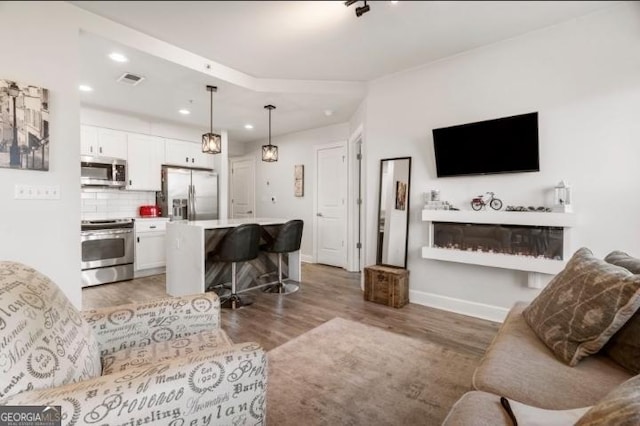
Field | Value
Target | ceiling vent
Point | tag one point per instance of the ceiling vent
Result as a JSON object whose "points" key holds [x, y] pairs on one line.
{"points": [[130, 79]]}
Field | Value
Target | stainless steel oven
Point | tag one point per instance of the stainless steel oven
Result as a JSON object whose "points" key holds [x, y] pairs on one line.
{"points": [[107, 251]]}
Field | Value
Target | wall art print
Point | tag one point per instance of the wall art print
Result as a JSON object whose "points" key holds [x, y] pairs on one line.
{"points": [[24, 126], [298, 180], [401, 195]]}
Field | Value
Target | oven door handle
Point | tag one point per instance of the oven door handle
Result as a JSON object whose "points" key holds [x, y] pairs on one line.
{"points": [[105, 233]]}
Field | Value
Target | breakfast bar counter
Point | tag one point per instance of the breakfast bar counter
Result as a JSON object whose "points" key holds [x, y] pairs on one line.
{"points": [[189, 271]]}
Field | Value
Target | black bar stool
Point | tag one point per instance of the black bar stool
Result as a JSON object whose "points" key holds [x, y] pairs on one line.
{"points": [[288, 240], [240, 244]]}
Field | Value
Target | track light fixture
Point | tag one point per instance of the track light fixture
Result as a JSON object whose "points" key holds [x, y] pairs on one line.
{"points": [[360, 10]]}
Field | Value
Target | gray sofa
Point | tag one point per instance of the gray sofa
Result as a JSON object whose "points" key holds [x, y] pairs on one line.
{"points": [[520, 367]]}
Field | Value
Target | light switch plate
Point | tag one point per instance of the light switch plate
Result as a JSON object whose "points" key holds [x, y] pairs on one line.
{"points": [[36, 192]]}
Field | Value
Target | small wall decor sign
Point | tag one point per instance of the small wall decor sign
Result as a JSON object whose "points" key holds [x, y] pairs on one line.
{"points": [[298, 180], [24, 126]]}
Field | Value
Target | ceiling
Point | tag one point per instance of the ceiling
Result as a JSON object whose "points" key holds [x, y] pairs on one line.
{"points": [[168, 87], [289, 40]]}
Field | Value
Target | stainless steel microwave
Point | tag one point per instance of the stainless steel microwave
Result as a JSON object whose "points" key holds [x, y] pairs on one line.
{"points": [[103, 171]]}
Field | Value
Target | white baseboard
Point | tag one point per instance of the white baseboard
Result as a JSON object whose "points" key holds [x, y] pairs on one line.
{"points": [[306, 258], [459, 306]]}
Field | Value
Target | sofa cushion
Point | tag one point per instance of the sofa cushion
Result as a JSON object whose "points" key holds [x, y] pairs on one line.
{"points": [[583, 306], [624, 346], [534, 416], [477, 408], [620, 407], [43, 340], [519, 366], [163, 351]]}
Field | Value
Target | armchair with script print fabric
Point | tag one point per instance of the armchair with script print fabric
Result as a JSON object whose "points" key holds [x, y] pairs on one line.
{"points": [[165, 362]]}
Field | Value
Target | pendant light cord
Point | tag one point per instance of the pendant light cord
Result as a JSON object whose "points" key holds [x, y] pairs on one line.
{"points": [[269, 126], [211, 113]]}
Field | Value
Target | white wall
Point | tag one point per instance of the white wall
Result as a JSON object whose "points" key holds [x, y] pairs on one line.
{"points": [[276, 179], [583, 77], [40, 47]]}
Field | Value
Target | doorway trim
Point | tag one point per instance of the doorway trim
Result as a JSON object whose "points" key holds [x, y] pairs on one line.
{"points": [[316, 149], [355, 210]]}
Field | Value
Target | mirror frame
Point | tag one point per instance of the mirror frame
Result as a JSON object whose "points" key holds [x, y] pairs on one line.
{"points": [[406, 239]]}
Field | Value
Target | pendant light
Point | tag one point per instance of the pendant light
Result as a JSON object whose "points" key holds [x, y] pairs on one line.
{"points": [[269, 152], [211, 142]]}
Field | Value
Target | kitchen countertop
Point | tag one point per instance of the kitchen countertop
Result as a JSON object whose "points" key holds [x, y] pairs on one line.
{"points": [[230, 223], [151, 218]]}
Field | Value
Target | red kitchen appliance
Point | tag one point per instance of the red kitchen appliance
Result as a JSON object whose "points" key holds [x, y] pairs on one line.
{"points": [[149, 211]]}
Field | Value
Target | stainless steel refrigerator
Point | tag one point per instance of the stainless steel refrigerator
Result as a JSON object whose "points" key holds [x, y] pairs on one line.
{"points": [[190, 194]]}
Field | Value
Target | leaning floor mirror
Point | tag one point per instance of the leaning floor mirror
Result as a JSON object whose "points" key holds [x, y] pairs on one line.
{"points": [[393, 211]]}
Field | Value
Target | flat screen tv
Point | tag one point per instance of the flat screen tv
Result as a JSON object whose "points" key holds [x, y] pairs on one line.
{"points": [[503, 145]]}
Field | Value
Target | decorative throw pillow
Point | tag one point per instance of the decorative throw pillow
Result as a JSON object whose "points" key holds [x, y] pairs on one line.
{"points": [[583, 306], [621, 407], [624, 346], [44, 341]]}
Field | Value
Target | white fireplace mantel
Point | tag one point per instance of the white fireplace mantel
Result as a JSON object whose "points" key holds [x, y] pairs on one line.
{"points": [[533, 265]]}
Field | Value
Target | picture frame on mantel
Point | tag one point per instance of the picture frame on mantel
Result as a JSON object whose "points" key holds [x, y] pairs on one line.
{"points": [[298, 180], [24, 126]]}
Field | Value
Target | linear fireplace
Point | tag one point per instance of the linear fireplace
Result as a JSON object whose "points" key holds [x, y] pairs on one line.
{"points": [[518, 240]]}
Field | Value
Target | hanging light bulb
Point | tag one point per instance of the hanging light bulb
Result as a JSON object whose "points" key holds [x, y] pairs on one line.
{"points": [[211, 142], [269, 152]]}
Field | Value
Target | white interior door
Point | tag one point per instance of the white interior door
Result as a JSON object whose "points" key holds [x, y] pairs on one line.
{"points": [[331, 206], [243, 184]]}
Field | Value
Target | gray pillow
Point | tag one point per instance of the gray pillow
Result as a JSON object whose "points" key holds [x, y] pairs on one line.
{"points": [[624, 346], [620, 407], [583, 306]]}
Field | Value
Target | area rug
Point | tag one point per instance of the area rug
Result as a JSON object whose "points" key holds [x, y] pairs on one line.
{"points": [[347, 373]]}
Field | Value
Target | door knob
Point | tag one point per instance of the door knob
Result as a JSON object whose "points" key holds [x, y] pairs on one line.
{"points": [[319, 214]]}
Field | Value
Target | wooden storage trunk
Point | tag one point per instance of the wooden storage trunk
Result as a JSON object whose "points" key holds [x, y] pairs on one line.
{"points": [[386, 285]]}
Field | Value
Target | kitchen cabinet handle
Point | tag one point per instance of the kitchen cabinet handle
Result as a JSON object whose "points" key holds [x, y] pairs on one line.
{"points": [[250, 212], [100, 150], [186, 159], [90, 149], [192, 160], [319, 215], [152, 227], [130, 182], [138, 239]]}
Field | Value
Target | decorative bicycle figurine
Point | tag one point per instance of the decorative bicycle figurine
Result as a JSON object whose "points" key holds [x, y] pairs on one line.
{"points": [[478, 202]]}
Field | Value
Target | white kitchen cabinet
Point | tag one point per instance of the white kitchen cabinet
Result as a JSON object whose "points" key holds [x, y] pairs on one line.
{"points": [[150, 246], [101, 142], [145, 156], [186, 154]]}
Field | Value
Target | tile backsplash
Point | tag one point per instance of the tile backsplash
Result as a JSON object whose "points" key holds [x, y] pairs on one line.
{"points": [[98, 203]]}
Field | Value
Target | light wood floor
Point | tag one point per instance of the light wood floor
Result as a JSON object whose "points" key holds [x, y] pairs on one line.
{"points": [[325, 293]]}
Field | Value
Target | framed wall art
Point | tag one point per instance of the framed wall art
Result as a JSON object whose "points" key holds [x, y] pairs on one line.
{"points": [[24, 126], [298, 180]]}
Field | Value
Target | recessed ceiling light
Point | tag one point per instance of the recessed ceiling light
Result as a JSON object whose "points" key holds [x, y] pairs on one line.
{"points": [[118, 57], [328, 112], [85, 88], [394, 1], [184, 111], [248, 126]]}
